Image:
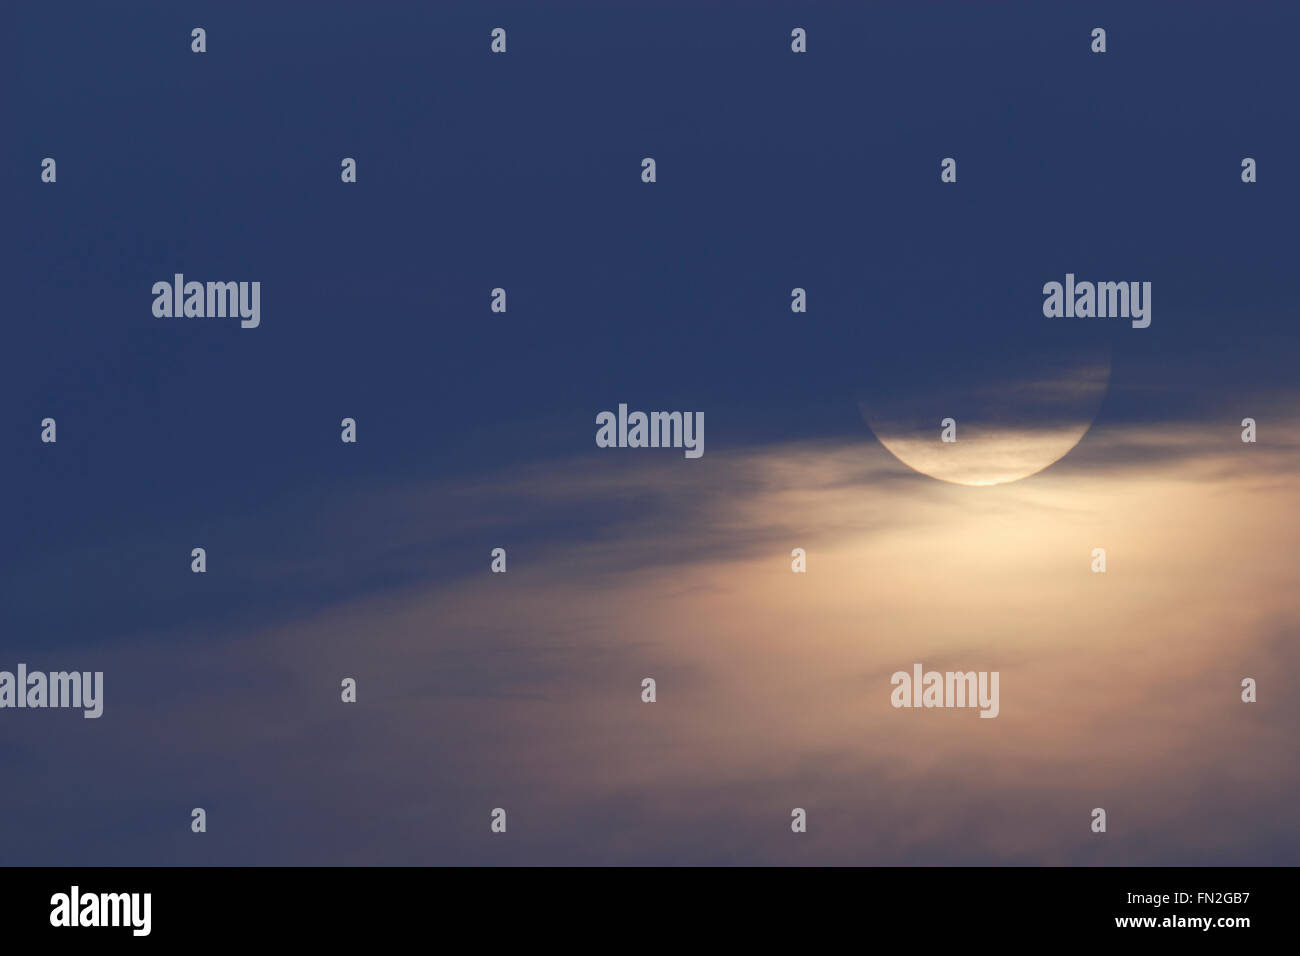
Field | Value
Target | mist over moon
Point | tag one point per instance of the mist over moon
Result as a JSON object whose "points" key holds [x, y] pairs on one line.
{"points": [[1015, 416]]}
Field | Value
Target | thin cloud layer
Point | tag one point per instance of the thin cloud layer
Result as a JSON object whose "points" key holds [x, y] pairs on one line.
{"points": [[478, 690]]}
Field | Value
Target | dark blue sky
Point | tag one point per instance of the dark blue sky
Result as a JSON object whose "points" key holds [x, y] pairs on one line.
{"points": [[523, 171]]}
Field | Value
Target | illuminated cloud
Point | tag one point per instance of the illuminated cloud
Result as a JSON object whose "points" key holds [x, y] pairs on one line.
{"points": [[522, 690]]}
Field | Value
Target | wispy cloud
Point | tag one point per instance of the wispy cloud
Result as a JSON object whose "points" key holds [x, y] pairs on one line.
{"points": [[522, 690]]}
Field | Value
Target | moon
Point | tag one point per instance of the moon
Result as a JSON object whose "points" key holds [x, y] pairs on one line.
{"points": [[1012, 416]]}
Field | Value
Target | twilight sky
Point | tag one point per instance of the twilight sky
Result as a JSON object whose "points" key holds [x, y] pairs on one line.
{"points": [[476, 430]]}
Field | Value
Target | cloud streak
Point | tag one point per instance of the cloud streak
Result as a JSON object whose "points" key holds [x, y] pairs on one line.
{"points": [[522, 690]]}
